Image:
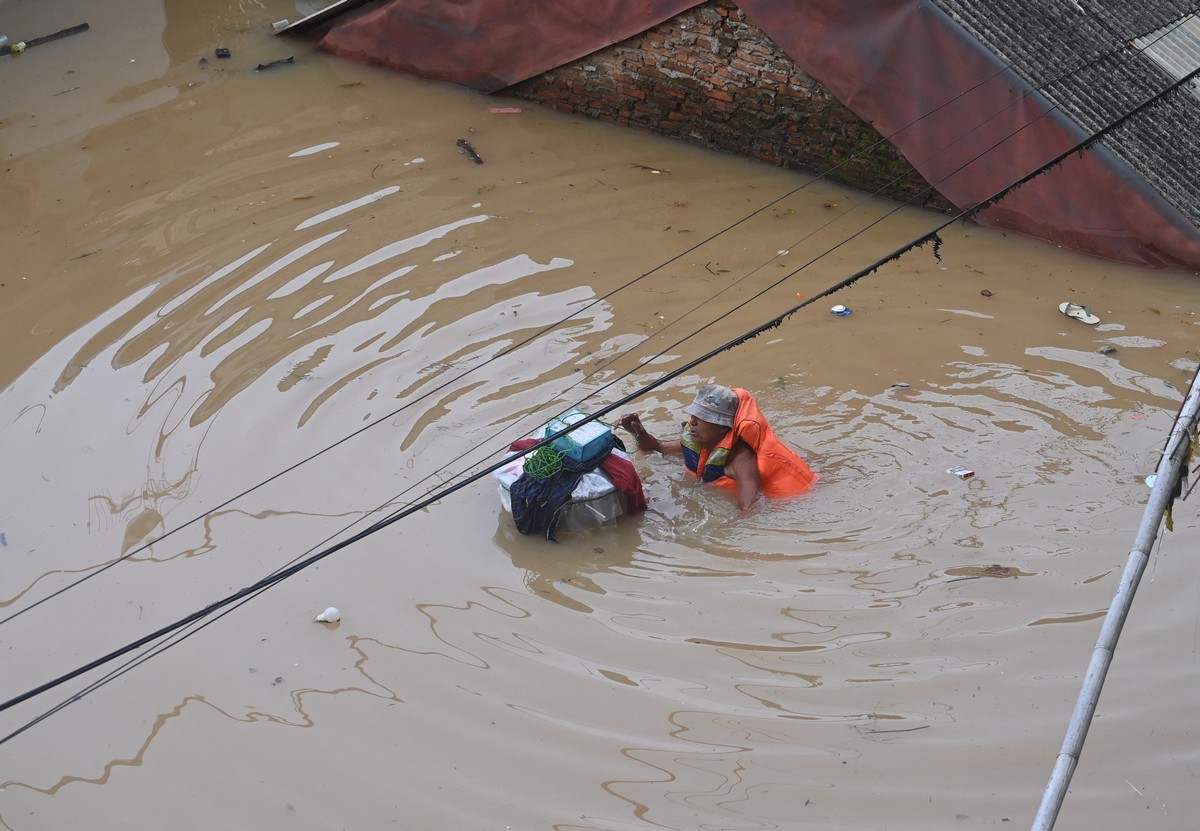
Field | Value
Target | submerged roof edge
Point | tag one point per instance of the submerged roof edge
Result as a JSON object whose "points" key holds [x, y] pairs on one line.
{"points": [[966, 122]]}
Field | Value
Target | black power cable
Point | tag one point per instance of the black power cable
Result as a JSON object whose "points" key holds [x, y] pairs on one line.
{"points": [[821, 176], [282, 574], [919, 195]]}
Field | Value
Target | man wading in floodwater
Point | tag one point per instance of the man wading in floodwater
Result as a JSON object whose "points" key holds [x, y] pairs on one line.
{"points": [[727, 441]]}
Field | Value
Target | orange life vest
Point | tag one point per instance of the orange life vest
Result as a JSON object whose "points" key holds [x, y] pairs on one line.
{"points": [[783, 473]]}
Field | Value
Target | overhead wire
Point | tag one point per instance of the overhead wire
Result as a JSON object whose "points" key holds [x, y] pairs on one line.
{"points": [[895, 209], [900, 206], [933, 239], [504, 429], [1163, 32], [1120, 48], [539, 333], [283, 573], [252, 591]]}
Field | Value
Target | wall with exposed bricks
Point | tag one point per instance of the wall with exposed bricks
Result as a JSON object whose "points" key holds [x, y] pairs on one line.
{"points": [[711, 77]]}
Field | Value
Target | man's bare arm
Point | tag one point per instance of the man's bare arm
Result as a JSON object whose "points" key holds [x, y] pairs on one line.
{"points": [[742, 467]]}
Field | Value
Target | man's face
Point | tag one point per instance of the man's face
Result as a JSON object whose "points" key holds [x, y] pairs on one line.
{"points": [[705, 433]]}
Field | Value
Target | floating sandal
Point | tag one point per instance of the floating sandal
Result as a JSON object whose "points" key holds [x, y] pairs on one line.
{"points": [[1081, 313]]}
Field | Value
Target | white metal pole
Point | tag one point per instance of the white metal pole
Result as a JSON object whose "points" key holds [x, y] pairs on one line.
{"points": [[1170, 468]]}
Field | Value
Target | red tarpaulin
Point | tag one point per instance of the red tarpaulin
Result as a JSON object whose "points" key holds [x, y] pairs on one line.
{"points": [[488, 45]]}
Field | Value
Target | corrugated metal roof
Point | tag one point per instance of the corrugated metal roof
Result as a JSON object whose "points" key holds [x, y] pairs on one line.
{"points": [[1098, 59], [1176, 48]]}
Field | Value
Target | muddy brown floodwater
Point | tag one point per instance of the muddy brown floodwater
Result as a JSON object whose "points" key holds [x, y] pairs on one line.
{"points": [[213, 274]]}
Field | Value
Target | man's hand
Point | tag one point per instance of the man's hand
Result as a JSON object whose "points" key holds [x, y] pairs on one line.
{"points": [[633, 423]]}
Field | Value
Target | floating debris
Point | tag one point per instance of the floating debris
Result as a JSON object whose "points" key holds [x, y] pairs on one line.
{"points": [[976, 572], [465, 147], [263, 66], [20, 46]]}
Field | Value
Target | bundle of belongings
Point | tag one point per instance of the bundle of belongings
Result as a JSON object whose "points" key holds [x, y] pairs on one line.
{"points": [[581, 479]]}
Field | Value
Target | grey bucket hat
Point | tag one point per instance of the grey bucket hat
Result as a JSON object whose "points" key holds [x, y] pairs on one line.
{"points": [[715, 404]]}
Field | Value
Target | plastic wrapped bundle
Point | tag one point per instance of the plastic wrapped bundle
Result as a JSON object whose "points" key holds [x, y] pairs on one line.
{"points": [[595, 501]]}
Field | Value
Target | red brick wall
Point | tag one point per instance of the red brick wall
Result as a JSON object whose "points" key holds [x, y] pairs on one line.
{"points": [[711, 77]]}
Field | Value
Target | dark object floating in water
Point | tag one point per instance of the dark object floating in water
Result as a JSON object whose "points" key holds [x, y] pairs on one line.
{"points": [[18, 48], [466, 147], [263, 66]]}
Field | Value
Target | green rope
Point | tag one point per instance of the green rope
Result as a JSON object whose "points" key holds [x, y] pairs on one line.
{"points": [[543, 464]]}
